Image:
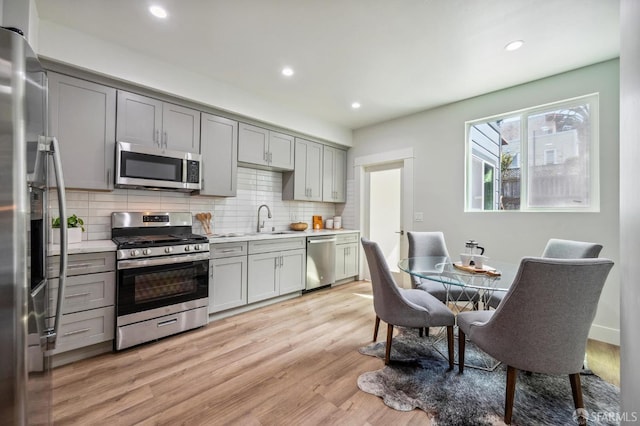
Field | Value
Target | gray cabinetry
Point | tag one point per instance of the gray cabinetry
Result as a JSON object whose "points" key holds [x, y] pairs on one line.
{"points": [[265, 148], [88, 311], [347, 255], [305, 182], [82, 116], [228, 276], [219, 150], [276, 267], [334, 181], [147, 121]]}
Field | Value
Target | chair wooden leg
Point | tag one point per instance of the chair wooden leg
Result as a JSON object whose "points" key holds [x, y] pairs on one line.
{"points": [[375, 328], [576, 390], [450, 345], [421, 332], [387, 353], [512, 374], [461, 342]]}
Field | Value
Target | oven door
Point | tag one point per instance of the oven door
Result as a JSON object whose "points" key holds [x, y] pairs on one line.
{"points": [[148, 284]]}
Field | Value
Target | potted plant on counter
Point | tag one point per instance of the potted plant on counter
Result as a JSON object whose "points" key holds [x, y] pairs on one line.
{"points": [[75, 228]]}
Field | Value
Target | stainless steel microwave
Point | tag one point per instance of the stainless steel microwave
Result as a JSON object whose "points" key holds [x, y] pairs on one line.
{"points": [[140, 166]]}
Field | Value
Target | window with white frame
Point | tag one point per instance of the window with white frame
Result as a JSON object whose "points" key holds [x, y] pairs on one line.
{"points": [[543, 158]]}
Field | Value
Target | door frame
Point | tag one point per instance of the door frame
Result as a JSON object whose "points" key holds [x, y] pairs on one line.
{"points": [[404, 156]]}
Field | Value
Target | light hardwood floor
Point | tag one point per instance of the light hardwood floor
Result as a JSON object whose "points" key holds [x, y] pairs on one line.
{"points": [[295, 362]]}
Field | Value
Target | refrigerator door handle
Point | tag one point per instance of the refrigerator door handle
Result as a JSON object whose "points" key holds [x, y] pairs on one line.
{"points": [[54, 149]]}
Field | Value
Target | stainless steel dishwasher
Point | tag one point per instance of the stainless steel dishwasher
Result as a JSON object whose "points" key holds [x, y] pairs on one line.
{"points": [[321, 261]]}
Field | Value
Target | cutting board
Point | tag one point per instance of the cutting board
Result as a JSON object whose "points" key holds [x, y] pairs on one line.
{"points": [[487, 270]]}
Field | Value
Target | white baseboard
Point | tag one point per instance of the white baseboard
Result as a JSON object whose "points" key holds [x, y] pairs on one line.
{"points": [[605, 334]]}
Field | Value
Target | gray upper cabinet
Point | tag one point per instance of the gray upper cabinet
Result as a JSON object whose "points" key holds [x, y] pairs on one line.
{"points": [[265, 148], [334, 182], [147, 121], [82, 116], [305, 182], [219, 150]]}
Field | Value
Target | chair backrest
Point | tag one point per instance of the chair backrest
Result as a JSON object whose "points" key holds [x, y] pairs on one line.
{"points": [[568, 249], [543, 322], [426, 244], [387, 300]]}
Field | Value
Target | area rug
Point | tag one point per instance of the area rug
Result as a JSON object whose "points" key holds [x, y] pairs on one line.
{"points": [[418, 377]]}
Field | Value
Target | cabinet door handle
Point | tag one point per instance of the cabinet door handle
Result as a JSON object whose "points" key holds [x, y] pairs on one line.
{"points": [[281, 261], [108, 177], [69, 296], [202, 185], [270, 157], [157, 138], [166, 139], [71, 333]]}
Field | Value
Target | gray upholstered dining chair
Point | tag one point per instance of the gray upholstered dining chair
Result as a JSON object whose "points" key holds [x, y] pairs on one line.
{"points": [[543, 323], [559, 249], [403, 307], [433, 244]]}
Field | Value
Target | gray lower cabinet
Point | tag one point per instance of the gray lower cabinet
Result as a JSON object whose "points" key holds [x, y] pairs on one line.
{"points": [[88, 311], [347, 255], [147, 121], [276, 267], [82, 116], [227, 276], [219, 150]]}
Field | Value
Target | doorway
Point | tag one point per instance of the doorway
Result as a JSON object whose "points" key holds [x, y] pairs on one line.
{"points": [[385, 205], [385, 211]]}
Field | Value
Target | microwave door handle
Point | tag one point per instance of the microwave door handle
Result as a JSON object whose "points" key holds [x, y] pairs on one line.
{"points": [[184, 170], [54, 149]]}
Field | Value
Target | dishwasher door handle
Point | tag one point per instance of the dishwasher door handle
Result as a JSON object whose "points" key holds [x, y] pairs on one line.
{"points": [[321, 240]]}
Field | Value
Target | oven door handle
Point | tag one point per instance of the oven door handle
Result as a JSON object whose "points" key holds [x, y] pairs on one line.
{"points": [[167, 260]]}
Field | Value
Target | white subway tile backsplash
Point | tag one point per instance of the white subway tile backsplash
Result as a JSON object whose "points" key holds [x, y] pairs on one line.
{"points": [[230, 214]]}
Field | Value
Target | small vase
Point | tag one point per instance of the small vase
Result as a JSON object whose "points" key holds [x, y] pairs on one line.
{"points": [[74, 235]]}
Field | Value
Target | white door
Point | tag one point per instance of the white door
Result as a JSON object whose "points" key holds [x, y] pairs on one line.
{"points": [[393, 219], [385, 212]]}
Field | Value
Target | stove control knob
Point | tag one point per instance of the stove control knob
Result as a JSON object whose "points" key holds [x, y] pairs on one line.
{"points": [[146, 252], [168, 249], [135, 252], [187, 248], [196, 247]]}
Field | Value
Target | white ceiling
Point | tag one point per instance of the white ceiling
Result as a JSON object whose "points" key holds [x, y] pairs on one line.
{"points": [[395, 57]]}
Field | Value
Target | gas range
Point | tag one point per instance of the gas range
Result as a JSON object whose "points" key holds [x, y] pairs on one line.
{"points": [[162, 276], [144, 235]]}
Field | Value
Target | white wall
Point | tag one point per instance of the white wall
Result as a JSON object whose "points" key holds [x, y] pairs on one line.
{"points": [[630, 204], [65, 45], [437, 137]]}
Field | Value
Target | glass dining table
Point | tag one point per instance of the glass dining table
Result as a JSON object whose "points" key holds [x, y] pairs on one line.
{"points": [[473, 283], [477, 288]]}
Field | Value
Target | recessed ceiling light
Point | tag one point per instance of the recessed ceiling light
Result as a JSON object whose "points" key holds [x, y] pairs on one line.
{"points": [[514, 45], [158, 12], [287, 71], [355, 105]]}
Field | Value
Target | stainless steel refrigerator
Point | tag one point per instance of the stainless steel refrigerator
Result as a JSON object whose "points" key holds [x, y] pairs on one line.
{"points": [[27, 160]]}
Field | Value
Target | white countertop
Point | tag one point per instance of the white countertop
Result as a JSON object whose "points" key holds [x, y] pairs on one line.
{"points": [[234, 237], [93, 246], [96, 246]]}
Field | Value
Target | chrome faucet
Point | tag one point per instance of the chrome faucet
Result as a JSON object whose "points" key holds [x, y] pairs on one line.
{"points": [[268, 214]]}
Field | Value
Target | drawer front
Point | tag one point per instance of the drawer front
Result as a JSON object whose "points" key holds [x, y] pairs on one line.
{"points": [[347, 238], [221, 250], [266, 246], [85, 329], [84, 292], [86, 263]]}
